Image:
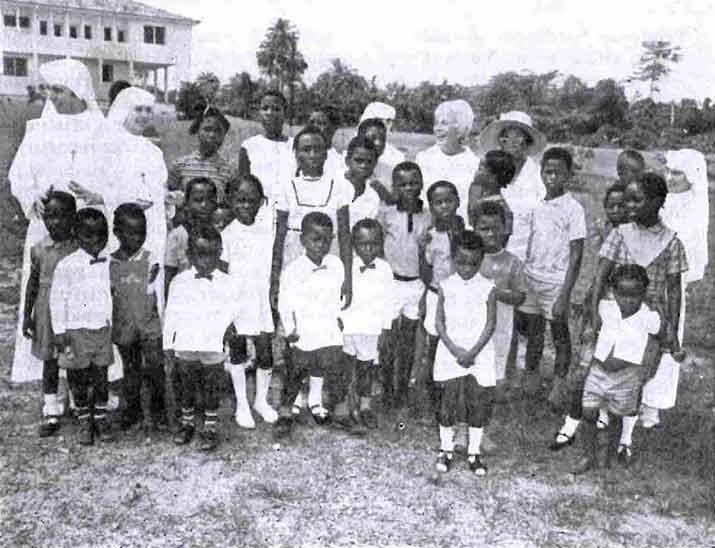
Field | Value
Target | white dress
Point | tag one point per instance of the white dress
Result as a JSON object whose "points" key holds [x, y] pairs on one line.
{"points": [[269, 160], [522, 195], [465, 312]]}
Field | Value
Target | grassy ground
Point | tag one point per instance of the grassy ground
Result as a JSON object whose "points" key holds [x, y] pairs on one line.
{"points": [[326, 489]]}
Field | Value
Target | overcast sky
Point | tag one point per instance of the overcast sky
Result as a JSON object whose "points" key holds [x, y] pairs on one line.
{"points": [[462, 41]]}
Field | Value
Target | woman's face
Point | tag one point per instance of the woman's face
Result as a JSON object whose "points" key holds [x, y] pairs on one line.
{"points": [[446, 130], [140, 116], [514, 141], [64, 100]]}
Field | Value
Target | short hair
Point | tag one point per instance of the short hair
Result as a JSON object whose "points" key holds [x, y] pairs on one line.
{"points": [[361, 142], [129, 210], [204, 112], [65, 198], [653, 185], [88, 215], [310, 129], [629, 272], [199, 181], [204, 231], [490, 208], [369, 123], [558, 153], [405, 167], [330, 111], [441, 184], [616, 187], [367, 224], [277, 94], [462, 112], [233, 184], [116, 88], [632, 155], [467, 239], [315, 219], [502, 165]]}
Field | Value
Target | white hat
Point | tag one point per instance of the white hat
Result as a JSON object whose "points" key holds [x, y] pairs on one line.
{"points": [[489, 137], [382, 111], [71, 74]]}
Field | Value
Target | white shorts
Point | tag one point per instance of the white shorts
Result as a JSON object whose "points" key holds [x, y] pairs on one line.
{"points": [[407, 298], [362, 347], [430, 323]]}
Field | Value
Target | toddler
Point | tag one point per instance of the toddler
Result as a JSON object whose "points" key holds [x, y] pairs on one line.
{"points": [[495, 173]]}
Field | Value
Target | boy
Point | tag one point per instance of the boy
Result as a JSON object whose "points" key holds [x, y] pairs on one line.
{"points": [[629, 166], [367, 322], [495, 172], [202, 304], [553, 261], [136, 327], [309, 306], [402, 224], [81, 311]]}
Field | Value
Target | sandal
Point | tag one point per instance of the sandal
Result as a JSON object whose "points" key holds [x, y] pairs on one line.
{"points": [[562, 440], [477, 467], [624, 455], [320, 414]]}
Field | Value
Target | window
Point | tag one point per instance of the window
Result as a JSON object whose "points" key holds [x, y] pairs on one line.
{"points": [[24, 22], [73, 32], [43, 28], [87, 32], [120, 36], [15, 66], [154, 35], [107, 34], [107, 73], [159, 35], [58, 29], [9, 20]]}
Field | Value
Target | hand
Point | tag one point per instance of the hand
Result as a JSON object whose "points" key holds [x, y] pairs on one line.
{"points": [[671, 339], [273, 295], [174, 198], [81, 193], [292, 338], [28, 327], [153, 273], [341, 325], [560, 309], [347, 293], [466, 360], [382, 191]]}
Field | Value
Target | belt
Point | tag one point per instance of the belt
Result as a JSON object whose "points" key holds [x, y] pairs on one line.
{"points": [[433, 289], [401, 278]]}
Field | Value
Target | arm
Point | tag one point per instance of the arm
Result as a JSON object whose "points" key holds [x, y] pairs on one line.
{"points": [[169, 273], [244, 164], [346, 252], [515, 294], [673, 311], [59, 294], [603, 272], [170, 320], [33, 284], [286, 308], [382, 191], [425, 267], [475, 193], [277, 261], [487, 332], [441, 326], [561, 306]]}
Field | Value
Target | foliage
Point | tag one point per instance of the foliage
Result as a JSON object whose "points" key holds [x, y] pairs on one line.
{"points": [[655, 62], [239, 96], [188, 97], [209, 85], [342, 88]]}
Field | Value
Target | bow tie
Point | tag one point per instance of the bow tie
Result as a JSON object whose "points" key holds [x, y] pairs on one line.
{"points": [[321, 267], [364, 268], [97, 261], [200, 276]]}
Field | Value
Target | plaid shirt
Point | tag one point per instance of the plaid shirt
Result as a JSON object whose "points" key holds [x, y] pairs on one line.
{"points": [[671, 261], [192, 166]]}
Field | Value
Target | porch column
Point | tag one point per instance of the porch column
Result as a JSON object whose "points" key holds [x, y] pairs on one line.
{"points": [[156, 83], [166, 84], [131, 71], [17, 18]]}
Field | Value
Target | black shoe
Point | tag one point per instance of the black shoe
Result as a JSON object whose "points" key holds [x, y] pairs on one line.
{"points": [[321, 416], [103, 430], [476, 465], [49, 426], [561, 441], [625, 455], [208, 440], [282, 427], [184, 435], [368, 418], [444, 461], [86, 432]]}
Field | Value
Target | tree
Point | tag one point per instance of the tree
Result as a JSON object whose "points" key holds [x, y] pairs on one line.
{"points": [[342, 87], [208, 84], [238, 96], [187, 99], [608, 104], [279, 59], [655, 63]]}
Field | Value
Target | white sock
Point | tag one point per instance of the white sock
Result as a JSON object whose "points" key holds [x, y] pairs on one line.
{"points": [[446, 438], [569, 427], [521, 352], [238, 376], [629, 423], [475, 441], [50, 407], [315, 393], [603, 416]]}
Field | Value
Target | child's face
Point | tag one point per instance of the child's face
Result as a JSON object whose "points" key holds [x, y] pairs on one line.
{"points": [[211, 135], [320, 119], [246, 202], [131, 233], [92, 236], [615, 207], [221, 218], [272, 114], [201, 202], [629, 295], [310, 153], [407, 186], [513, 141], [316, 241], [378, 138], [204, 255], [368, 244], [638, 207], [491, 230], [555, 174], [445, 130], [361, 163], [467, 262], [628, 169], [444, 204], [487, 181], [58, 220]]}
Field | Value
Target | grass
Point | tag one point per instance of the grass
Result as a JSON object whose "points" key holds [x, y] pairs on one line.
{"points": [[326, 489]]}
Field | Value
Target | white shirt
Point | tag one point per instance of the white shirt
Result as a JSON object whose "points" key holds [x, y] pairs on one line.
{"points": [[458, 169], [627, 337], [81, 295], [248, 249], [199, 310], [365, 206], [522, 195], [372, 308], [309, 301], [554, 225], [269, 161]]}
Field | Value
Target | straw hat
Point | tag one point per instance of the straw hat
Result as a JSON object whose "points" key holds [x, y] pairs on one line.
{"points": [[489, 137]]}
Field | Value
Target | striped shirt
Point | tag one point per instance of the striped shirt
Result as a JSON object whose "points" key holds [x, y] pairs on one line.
{"points": [[193, 165]]}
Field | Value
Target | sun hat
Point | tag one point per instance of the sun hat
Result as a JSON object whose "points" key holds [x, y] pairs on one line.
{"points": [[489, 137]]}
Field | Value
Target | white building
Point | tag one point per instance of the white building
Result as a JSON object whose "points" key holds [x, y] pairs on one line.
{"points": [[116, 39]]}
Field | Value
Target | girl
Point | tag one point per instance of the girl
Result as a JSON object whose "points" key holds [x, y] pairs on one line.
{"points": [[247, 244], [495, 173], [268, 156], [374, 130], [59, 218], [464, 364], [327, 120], [449, 159], [647, 242], [361, 159]]}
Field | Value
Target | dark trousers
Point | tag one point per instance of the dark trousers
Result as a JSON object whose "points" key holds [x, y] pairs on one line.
{"points": [[325, 362], [199, 380], [478, 401], [50, 377], [81, 380], [143, 363], [238, 350], [363, 373], [424, 397], [533, 327], [396, 367]]}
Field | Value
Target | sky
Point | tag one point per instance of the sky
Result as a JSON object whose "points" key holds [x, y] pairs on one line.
{"points": [[462, 41]]}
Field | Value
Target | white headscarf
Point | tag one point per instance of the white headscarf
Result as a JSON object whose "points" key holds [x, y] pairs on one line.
{"points": [[462, 113], [382, 111], [126, 100], [74, 75]]}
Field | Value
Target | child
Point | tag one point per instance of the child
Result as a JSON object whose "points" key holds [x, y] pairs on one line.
{"points": [[361, 159], [81, 310], [495, 173], [629, 166], [553, 260], [136, 327], [618, 371], [374, 130], [202, 303], [59, 219], [309, 306], [402, 224], [464, 363], [367, 322], [222, 215], [327, 120], [248, 243]]}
